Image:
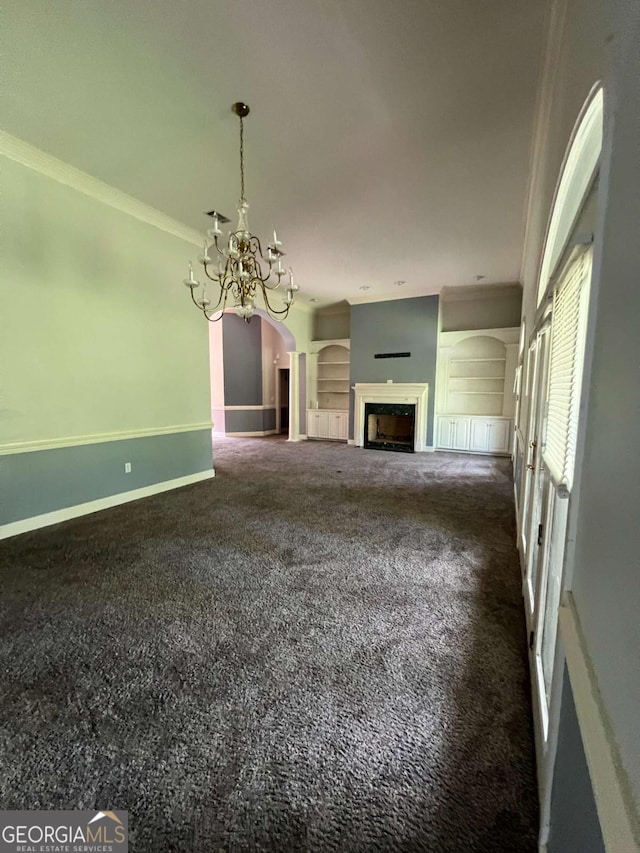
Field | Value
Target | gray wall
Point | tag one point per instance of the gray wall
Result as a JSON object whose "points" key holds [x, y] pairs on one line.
{"points": [[46, 480], [402, 325], [242, 361], [606, 583], [250, 420], [574, 820]]}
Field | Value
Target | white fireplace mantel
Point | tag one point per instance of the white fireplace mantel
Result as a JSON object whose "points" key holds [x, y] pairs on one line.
{"points": [[411, 393]]}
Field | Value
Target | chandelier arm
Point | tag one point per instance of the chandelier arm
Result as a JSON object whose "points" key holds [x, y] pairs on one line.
{"points": [[193, 299], [224, 305], [218, 302], [272, 311], [219, 281], [214, 319]]}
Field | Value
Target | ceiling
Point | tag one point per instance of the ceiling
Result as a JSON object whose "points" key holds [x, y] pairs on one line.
{"points": [[387, 140]]}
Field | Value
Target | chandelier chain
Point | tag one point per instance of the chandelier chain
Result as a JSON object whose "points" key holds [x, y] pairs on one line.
{"points": [[242, 198]]}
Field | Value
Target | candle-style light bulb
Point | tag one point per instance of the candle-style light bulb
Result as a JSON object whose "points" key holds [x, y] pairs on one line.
{"points": [[204, 257], [191, 281]]}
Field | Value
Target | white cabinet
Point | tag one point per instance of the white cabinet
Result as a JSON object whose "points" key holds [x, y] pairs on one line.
{"points": [[445, 433], [490, 435], [474, 390], [480, 435], [500, 436], [460, 434], [453, 433], [313, 424], [474, 434], [332, 425]]}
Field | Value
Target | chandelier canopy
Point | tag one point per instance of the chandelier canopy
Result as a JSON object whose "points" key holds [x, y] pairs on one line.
{"points": [[241, 267]]}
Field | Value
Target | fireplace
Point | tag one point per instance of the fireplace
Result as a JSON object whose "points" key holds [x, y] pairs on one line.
{"points": [[405, 395], [389, 426]]}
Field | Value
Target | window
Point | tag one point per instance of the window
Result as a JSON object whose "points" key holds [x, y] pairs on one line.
{"points": [[568, 332]]}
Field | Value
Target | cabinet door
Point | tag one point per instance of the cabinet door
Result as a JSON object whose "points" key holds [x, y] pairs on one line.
{"points": [[334, 425], [323, 424], [460, 433], [343, 426], [313, 424], [499, 436], [480, 435], [445, 432]]}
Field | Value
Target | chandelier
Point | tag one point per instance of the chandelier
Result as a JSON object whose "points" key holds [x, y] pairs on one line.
{"points": [[240, 267]]}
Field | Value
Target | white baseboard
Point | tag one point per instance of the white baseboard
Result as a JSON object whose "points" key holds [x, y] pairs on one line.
{"points": [[37, 521], [258, 434], [619, 821], [351, 442]]}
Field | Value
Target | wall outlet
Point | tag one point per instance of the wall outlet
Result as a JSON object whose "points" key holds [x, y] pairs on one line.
{"points": [[127, 467]]}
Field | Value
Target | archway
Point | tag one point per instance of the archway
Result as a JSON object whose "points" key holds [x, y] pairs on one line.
{"points": [[245, 373]]}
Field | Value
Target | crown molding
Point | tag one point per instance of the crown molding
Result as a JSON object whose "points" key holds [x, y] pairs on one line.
{"points": [[39, 161], [552, 53], [388, 297]]}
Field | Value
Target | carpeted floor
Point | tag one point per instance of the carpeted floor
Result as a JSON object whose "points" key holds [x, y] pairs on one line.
{"points": [[322, 649]]}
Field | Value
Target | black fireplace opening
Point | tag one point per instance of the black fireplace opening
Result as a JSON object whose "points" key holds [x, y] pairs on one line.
{"points": [[389, 426]]}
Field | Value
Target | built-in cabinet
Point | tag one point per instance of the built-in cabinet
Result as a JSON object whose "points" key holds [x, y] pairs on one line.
{"points": [[331, 425], [474, 434], [475, 402], [328, 413]]}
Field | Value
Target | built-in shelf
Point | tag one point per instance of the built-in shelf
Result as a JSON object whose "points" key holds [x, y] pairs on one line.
{"points": [[477, 392], [332, 377]]}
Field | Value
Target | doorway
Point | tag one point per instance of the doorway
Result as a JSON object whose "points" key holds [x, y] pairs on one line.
{"points": [[283, 397]]}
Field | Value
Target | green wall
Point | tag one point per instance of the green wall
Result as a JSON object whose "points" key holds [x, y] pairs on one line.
{"points": [[98, 339]]}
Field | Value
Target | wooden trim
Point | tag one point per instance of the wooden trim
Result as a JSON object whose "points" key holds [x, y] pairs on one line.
{"points": [[546, 90], [250, 408], [97, 438], [619, 820], [257, 434], [21, 152]]}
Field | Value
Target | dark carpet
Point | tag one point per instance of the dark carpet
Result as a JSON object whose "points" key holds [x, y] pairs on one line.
{"points": [[322, 649]]}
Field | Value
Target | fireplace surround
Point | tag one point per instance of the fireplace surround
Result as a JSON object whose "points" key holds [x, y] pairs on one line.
{"points": [[397, 393]]}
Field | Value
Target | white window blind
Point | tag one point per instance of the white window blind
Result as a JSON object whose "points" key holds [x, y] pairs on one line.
{"points": [[568, 332]]}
